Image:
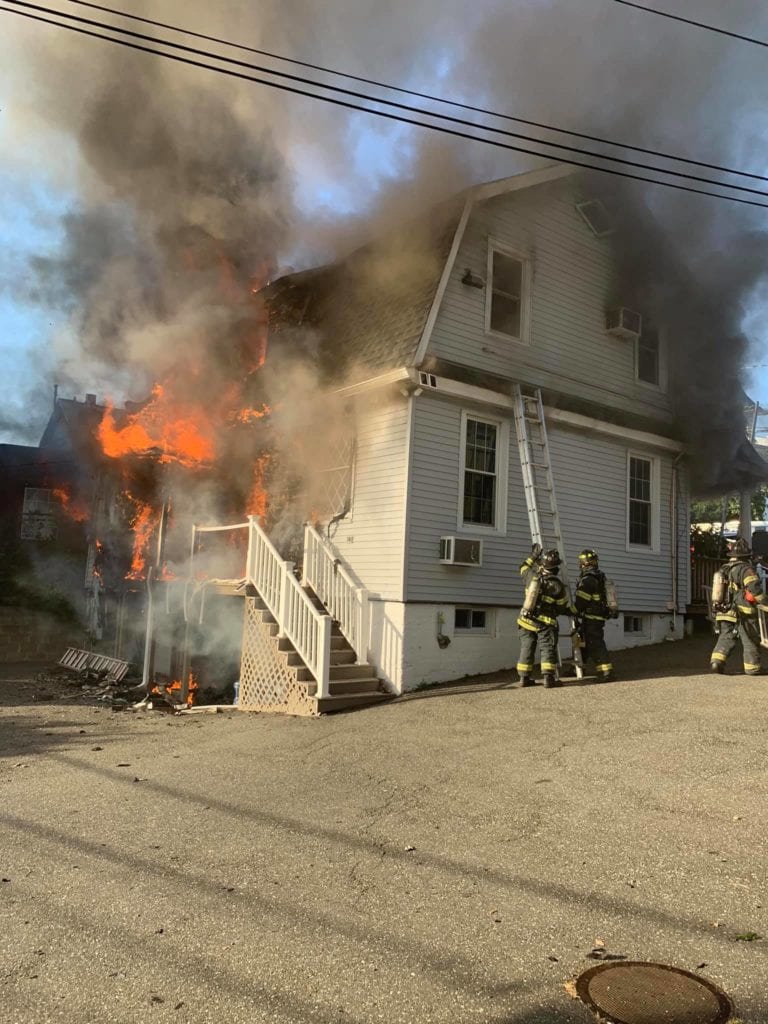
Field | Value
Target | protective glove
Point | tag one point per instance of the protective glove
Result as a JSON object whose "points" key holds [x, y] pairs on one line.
{"points": [[536, 551]]}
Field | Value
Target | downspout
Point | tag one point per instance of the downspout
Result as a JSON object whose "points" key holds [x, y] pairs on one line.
{"points": [[674, 542]]}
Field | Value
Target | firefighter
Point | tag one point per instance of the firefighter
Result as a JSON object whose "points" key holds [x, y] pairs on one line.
{"points": [[736, 614], [546, 597], [594, 611]]}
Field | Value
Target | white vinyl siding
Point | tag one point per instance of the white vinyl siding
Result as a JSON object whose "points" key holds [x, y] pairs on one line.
{"points": [[571, 281], [371, 539], [590, 474]]}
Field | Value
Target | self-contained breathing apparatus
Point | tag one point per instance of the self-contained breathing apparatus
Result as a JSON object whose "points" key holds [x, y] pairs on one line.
{"points": [[547, 568]]}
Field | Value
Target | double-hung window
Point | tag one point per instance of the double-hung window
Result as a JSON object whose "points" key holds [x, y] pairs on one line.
{"points": [[38, 515], [648, 356], [642, 502], [507, 293], [484, 454]]}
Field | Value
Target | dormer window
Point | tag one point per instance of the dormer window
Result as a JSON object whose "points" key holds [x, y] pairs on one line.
{"points": [[507, 294]]}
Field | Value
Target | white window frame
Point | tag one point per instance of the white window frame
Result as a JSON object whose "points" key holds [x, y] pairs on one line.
{"points": [[489, 629], [655, 545], [661, 387], [502, 474], [526, 289]]}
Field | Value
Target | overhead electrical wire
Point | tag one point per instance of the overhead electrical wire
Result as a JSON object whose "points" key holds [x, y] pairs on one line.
{"points": [[347, 104], [695, 24], [416, 94]]}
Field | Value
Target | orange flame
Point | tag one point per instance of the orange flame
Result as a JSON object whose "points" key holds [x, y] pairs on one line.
{"points": [[250, 415], [175, 688], [142, 524], [172, 434], [258, 499], [74, 510]]}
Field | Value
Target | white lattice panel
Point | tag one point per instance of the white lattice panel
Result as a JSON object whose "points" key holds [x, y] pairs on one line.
{"points": [[266, 682]]}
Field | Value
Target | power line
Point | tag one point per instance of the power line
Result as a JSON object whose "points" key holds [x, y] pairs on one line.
{"points": [[389, 103], [690, 21], [418, 95], [454, 132]]}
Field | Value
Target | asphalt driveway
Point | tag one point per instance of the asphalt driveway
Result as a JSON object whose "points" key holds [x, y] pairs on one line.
{"points": [[448, 857]]}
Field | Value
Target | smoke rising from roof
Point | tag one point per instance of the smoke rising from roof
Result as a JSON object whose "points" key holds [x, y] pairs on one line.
{"points": [[194, 188]]}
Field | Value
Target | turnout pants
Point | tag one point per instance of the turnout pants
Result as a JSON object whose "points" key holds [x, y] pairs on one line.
{"points": [[545, 639], [746, 630], [594, 645]]}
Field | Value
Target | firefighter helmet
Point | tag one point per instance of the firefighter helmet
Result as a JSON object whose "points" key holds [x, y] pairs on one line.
{"points": [[587, 558], [740, 549], [551, 560]]}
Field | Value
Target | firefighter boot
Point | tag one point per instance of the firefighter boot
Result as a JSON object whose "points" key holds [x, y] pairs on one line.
{"points": [[527, 681], [550, 681], [717, 667]]}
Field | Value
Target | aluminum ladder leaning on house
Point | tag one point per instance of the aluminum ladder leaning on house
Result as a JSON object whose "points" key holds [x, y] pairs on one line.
{"points": [[539, 486]]}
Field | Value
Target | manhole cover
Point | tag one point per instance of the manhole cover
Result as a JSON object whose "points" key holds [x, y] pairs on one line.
{"points": [[640, 993]]}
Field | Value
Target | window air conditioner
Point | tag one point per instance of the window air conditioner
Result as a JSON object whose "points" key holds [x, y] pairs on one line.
{"points": [[624, 323], [458, 551]]}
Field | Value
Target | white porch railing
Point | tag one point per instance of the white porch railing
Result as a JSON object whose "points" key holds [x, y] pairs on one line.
{"points": [[342, 595], [307, 628]]}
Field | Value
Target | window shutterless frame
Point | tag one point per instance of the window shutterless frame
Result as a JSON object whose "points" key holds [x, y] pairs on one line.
{"points": [[661, 385], [526, 280], [499, 524], [647, 470]]}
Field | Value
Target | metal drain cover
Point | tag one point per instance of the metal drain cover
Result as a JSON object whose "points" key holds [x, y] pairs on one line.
{"points": [[633, 992]]}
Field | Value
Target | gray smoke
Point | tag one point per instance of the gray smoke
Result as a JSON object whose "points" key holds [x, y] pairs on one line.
{"points": [[194, 185]]}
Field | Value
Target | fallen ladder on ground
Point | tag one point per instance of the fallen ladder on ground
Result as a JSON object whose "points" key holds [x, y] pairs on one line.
{"points": [[81, 661], [536, 466]]}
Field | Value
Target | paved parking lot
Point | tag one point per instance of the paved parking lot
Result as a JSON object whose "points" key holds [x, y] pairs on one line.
{"points": [[448, 857]]}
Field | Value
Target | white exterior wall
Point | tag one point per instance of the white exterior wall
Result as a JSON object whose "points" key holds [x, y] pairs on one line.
{"points": [[405, 647], [569, 349], [371, 538]]}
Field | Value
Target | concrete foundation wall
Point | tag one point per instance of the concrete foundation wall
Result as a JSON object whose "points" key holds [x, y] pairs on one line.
{"points": [[405, 648]]}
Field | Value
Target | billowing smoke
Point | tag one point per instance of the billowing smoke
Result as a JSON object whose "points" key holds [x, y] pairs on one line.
{"points": [[195, 189]]}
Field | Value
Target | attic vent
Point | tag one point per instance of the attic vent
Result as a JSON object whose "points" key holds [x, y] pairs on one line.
{"points": [[624, 323], [596, 217], [427, 380]]}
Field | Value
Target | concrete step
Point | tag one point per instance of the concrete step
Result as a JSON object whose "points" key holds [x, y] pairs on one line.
{"points": [[348, 686], [348, 701]]}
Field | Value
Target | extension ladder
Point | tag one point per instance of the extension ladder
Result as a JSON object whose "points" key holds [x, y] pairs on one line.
{"points": [[539, 487]]}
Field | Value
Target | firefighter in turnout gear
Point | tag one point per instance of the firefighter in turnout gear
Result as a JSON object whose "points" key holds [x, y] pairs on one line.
{"points": [[546, 597], [594, 611], [736, 614]]}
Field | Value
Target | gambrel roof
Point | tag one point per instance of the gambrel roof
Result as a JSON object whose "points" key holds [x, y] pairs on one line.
{"points": [[373, 308]]}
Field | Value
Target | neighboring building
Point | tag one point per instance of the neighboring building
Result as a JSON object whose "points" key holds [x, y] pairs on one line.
{"points": [[516, 291]]}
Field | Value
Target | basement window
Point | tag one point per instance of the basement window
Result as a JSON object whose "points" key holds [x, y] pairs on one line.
{"points": [[506, 307], [636, 625], [38, 515], [472, 620]]}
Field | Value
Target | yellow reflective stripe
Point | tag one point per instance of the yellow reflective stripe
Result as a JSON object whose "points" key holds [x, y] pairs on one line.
{"points": [[745, 609], [549, 600], [726, 617], [604, 668], [717, 656], [582, 593], [523, 624], [595, 618], [548, 666], [748, 666], [548, 620], [750, 579], [524, 667]]}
